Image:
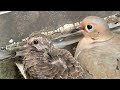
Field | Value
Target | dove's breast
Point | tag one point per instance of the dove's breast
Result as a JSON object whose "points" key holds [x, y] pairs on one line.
{"points": [[101, 60]]}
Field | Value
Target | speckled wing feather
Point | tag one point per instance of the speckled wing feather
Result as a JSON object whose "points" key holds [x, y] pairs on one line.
{"points": [[49, 62], [59, 64]]}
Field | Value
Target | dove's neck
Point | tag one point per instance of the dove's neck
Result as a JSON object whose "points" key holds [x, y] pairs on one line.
{"points": [[102, 36], [107, 35]]}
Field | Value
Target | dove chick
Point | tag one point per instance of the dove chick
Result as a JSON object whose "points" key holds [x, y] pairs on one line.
{"points": [[43, 61], [98, 51]]}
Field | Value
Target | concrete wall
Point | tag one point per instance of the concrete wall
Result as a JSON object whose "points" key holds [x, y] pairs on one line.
{"points": [[19, 24]]}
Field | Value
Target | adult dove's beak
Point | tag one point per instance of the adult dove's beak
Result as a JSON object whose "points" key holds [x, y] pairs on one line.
{"points": [[81, 26]]}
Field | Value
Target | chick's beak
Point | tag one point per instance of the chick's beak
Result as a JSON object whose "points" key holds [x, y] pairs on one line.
{"points": [[26, 46], [6, 54]]}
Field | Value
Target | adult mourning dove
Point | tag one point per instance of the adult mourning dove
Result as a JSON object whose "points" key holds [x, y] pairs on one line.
{"points": [[43, 61], [99, 50]]}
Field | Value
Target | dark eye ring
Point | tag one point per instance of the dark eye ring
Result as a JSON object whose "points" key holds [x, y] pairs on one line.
{"points": [[35, 42]]}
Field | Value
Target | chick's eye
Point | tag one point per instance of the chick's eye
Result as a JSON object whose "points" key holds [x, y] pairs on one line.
{"points": [[35, 42]]}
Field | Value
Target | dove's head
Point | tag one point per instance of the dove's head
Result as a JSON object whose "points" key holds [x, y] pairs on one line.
{"points": [[38, 42], [95, 28]]}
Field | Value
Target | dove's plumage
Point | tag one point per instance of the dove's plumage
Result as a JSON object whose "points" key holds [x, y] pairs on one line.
{"points": [[44, 61], [99, 50]]}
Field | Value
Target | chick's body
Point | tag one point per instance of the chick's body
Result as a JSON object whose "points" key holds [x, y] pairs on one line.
{"points": [[44, 61]]}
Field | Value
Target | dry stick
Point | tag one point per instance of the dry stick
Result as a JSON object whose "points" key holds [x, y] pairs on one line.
{"points": [[65, 33]]}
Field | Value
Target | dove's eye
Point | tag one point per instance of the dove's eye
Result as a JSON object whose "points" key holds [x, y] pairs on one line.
{"points": [[89, 28], [35, 42]]}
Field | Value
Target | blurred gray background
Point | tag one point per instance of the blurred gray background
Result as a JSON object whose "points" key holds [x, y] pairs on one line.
{"points": [[17, 25]]}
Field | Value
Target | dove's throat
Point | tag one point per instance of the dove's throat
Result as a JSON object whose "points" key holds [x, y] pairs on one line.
{"points": [[106, 35]]}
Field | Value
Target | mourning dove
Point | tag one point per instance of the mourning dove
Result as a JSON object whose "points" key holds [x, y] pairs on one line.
{"points": [[98, 51], [44, 61]]}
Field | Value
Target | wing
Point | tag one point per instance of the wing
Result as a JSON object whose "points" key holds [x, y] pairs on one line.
{"points": [[100, 63], [72, 68]]}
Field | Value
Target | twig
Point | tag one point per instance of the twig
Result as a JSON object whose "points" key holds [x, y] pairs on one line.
{"points": [[4, 12]]}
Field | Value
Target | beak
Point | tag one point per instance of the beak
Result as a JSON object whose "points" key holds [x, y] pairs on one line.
{"points": [[81, 26], [4, 54], [26, 46], [20, 51]]}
